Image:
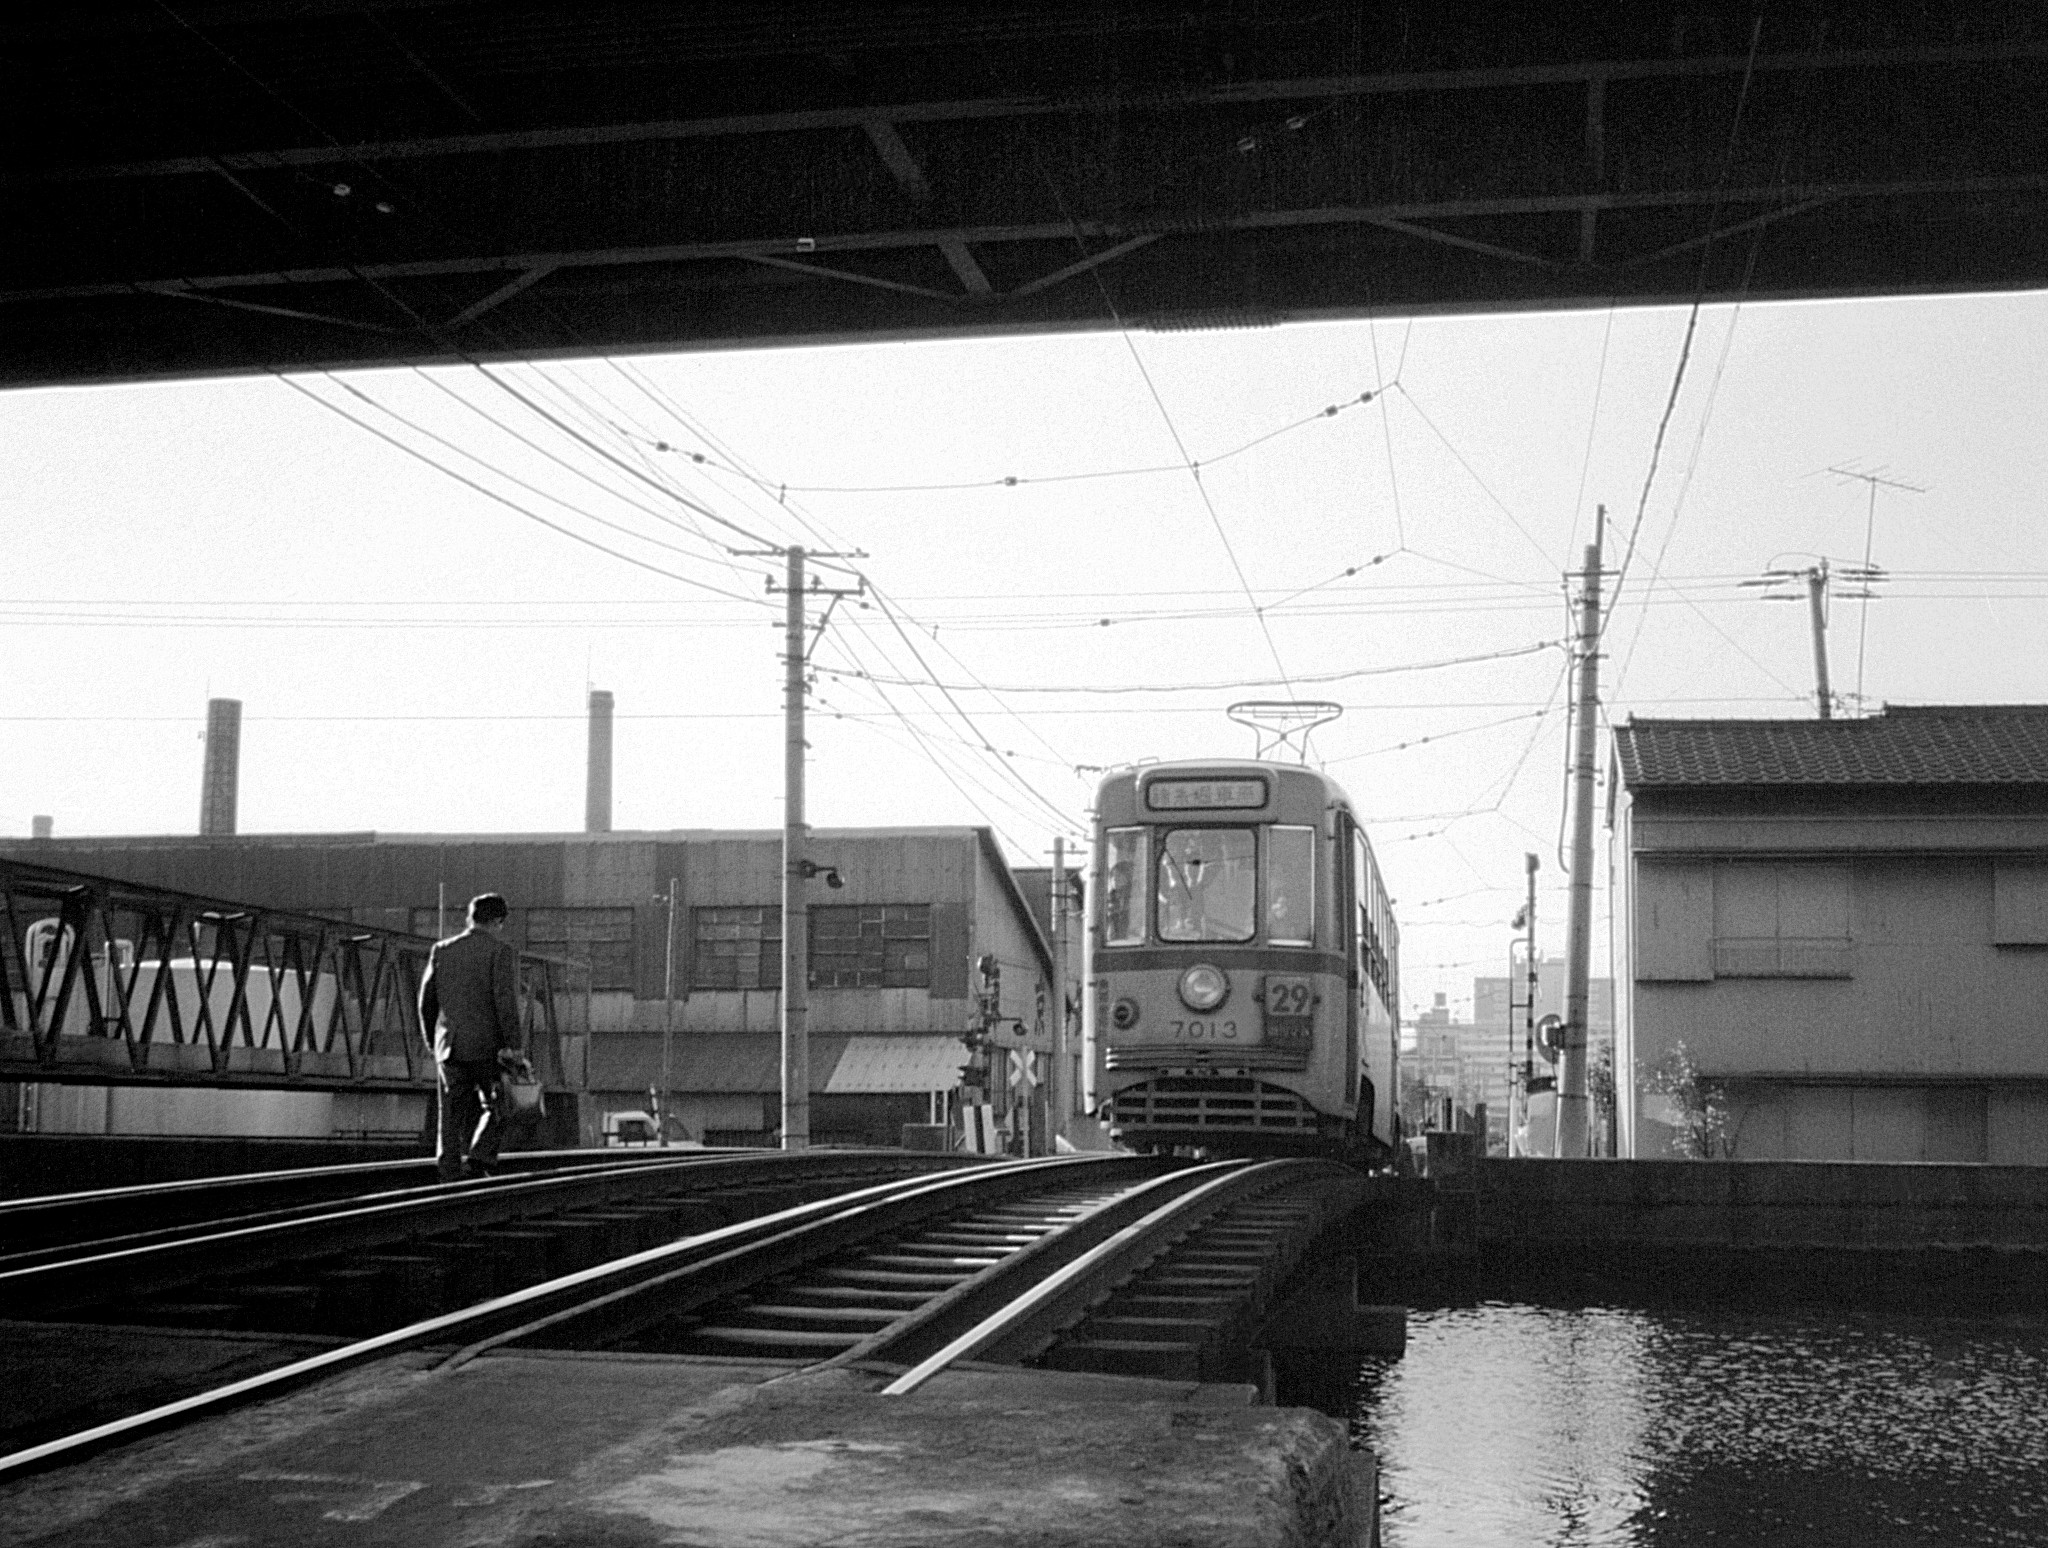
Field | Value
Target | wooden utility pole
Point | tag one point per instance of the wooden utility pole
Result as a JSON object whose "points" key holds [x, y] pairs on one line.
{"points": [[1571, 1068]]}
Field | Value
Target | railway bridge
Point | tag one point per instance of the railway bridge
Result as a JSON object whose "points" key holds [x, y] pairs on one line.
{"points": [[281, 185], [823, 1295]]}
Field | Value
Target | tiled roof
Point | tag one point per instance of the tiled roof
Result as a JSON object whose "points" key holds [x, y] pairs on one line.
{"points": [[2003, 744]]}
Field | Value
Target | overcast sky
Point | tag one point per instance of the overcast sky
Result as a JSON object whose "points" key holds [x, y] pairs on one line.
{"points": [[413, 655]]}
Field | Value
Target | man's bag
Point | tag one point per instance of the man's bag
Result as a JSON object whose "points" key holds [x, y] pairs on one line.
{"points": [[520, 1087]]}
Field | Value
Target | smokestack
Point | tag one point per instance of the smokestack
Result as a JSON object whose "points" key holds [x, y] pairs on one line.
{"points": [[597, 790], [223, 764], [42, 827]]}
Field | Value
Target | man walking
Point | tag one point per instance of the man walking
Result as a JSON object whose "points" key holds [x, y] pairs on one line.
{"points": [[469, 1015]]}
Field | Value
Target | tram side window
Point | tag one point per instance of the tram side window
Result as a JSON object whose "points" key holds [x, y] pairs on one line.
{"points": [[1208, 884], [1291, 886], [1123, 890]]}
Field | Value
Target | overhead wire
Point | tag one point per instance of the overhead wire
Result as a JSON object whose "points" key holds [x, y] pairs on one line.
{"points": [[1251, 682], [1691, 325], [428, 329], [1172, 430], [1011, 480], [440, 440], [511, 504]]}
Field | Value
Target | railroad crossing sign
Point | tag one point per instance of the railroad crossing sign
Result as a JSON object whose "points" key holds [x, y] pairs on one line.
{"points": [[1023, 1077]]}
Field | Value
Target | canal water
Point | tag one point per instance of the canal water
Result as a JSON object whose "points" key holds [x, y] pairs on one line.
{"points": [[1511, 1426]]}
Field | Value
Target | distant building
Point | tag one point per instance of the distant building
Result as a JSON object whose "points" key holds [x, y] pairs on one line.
{"points": [[1452, 1061], [1845, 922], [893, 953], [1500, 1035], [1497, 1004]]}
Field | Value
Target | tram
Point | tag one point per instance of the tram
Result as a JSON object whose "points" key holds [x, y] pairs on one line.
{"points": [[1245, 965]]}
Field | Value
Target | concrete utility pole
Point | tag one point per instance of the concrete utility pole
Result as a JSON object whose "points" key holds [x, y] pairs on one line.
{"points": [[1571, 1068], [796, 943], [1816, 603], [797, 868], [668, 1012], [1061, 1097]]}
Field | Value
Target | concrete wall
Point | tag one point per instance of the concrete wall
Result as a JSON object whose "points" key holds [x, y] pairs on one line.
{"points": [[1762, 1204]]}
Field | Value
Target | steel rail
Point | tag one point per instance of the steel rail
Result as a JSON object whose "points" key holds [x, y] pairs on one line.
{"points": [[939, 1321], [97, 1278], [49, 1215], [593, 1164], [1069, 1291], [585, 1288], [614, 1315]]}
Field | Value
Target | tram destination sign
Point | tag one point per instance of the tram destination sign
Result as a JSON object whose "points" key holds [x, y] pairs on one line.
{"points": [[1181, 795]]}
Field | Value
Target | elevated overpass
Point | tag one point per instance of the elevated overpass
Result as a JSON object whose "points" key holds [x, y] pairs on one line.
{"points": [[214, 186]]}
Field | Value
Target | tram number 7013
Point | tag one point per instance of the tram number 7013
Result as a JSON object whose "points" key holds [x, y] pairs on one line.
{"points": [[1204, 1031]]}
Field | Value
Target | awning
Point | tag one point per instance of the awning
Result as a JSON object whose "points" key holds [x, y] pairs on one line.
{"points": [[929, 1062], [734, 1062]]}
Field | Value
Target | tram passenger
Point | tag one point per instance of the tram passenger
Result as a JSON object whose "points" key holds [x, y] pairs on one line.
{"points": [[469, 1015]]}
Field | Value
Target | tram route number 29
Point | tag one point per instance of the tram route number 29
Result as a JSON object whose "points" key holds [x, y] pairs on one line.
{"points": [[1287, 997], [1204, 1031]]}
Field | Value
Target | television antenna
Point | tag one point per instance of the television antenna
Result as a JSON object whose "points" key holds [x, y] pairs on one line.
{"points": [[1871, 479]]}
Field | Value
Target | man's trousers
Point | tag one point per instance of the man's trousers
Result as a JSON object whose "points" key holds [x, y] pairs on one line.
{"points": [[472, 1119]]}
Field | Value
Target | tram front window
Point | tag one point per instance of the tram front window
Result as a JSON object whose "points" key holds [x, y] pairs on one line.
{"points": [[1207, 884], [1290, 886], [1123, 892]]}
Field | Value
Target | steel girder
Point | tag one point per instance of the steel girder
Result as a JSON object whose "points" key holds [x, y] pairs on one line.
{"points": [[273, 186], [111, 983]]}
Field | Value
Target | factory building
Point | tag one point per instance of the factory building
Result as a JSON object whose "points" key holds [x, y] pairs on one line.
{"points": [[674, 940]]}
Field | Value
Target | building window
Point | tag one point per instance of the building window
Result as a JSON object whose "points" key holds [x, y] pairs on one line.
{"points": [[1782, 921], [2019, 903], [599, 938], [435, 923], [736, 948], [872, 946]]}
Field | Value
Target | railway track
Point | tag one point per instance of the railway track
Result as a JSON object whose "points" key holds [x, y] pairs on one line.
{"points": [[52, 1221], [363, 1264], [1068, 1261]]}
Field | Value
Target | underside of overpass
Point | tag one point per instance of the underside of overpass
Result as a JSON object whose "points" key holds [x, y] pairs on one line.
{"points": [[209, 186]]}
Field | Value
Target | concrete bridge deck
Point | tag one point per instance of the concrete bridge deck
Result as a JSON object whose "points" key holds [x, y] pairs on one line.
{"points": [[561, 1449]]}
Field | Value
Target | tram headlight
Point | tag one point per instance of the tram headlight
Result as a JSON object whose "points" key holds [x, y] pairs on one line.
{"points": [[1203, 988]]}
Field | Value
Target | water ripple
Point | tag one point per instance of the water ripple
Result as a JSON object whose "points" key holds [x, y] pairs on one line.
{"points": [[1615, 1427]]}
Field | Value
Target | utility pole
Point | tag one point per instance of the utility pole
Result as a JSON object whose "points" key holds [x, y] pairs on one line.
{"points": [[1816, 602], [668, 1012], [797, 869], [1571, 1069], [796, 919], [1061, 1098]]}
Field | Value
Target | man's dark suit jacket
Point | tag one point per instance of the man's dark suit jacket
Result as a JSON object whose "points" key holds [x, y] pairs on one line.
{"points": [[469, 1000]]}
